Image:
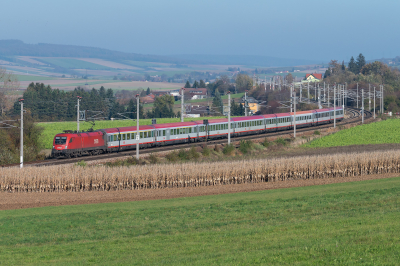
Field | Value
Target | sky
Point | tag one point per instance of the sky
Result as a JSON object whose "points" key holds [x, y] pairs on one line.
{"points": [[317, 30]]}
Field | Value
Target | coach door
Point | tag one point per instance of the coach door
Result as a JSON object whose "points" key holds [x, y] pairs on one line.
{"points": [[167, 134]]}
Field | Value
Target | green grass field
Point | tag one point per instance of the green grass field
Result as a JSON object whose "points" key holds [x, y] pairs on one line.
{"points": [[374, 133], [32, 78], [338, 224], [73, 63], [51, 129]]}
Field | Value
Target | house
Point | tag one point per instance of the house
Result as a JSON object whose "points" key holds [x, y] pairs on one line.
{"points": [[197, 93], [147, 99], [315, 77], [252, 104], [194, 110]]}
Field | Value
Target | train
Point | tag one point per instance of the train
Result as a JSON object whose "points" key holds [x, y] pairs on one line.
{"points": [[74, 144]]}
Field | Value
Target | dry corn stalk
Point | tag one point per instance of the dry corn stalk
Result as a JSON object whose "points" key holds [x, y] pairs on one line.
{"points": [[102, 178]]}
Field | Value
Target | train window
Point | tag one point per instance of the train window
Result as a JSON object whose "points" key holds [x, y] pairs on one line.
{"points": [[141, 135], [123, 136], [163, 132], [128, 136]]}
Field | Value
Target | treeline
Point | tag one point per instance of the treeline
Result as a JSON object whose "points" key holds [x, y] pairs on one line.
{"points": [[47, 104], [367, 75]]}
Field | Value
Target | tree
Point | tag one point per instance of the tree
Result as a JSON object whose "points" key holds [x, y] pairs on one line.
{"points": [[195, 84], [289, 78], [202, 84], [343, 66], [360, 63], [132, 109], [352, 66], [163, 106], [187, 84], [243, 82], [237, 109], [327, 73], [148, 91], [217, 103]]}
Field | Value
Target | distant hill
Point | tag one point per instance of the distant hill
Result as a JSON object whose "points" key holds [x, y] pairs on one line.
{"points": [[248, 60], [18, 48]]}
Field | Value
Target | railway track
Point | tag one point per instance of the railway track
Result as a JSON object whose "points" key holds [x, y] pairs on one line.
{"points": [[355, 117]]}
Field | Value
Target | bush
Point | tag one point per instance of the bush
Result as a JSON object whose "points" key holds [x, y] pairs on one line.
{"points": [[228, 149], [316, 132], [172, 156], [193, 154], [81, 163], [153, 158], [265, 143], [281, 141], [183, 155], [206, 151], [245, 146]]}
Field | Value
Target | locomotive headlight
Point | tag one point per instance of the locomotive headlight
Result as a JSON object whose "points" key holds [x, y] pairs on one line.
{"points": [[66, 146], [53, 147]]}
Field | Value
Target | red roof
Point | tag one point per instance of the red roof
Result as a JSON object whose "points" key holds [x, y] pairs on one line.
{"points": [[245, 118], [282, 114], [176, 124], [315, 75], [127, 129]]}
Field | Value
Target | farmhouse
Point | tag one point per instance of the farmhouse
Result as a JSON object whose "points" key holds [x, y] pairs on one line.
{"points": [[315, 77]]}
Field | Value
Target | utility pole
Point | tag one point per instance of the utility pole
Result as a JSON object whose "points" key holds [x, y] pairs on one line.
{"points": [[374, 103], [357, 95], [308, 91], [137, 127], [294, 116], [21, 150], [229, 118], [301, 90], [77, 114], [245, 103], [334, 106], [369, 97], [319, 97], [315, 92], [343, 97], [182, 99], [324, 93], [329, 103], [362, 104], [291, 100]]}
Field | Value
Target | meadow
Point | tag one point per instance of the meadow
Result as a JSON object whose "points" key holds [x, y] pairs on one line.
{"points": [[53, 128], [337, 224], [72, 63], [374, 133]]}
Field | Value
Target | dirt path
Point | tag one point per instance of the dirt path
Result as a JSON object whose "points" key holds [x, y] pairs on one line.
{"points": [[10, 201]]}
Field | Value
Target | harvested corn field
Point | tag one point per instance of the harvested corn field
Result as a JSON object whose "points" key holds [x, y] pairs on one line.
{"points": [[102, 178]]}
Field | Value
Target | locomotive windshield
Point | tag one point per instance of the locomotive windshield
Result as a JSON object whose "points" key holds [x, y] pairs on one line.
{"points": [[60, 140]]}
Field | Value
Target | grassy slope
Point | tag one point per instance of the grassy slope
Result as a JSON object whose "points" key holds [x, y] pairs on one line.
{"points": [[349, 223], [374, 133], [73, 63], [51, 129]]}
